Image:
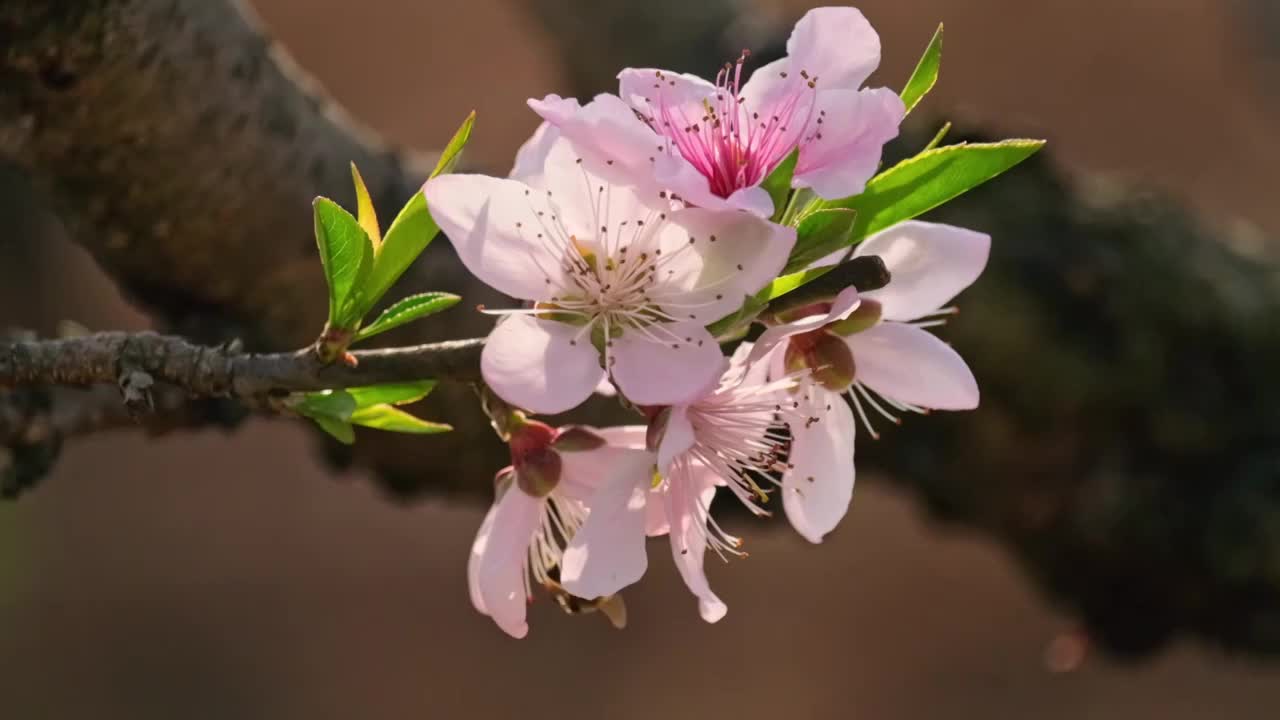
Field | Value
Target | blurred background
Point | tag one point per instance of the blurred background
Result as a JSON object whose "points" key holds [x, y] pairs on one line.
{"points": [[239, 575]]}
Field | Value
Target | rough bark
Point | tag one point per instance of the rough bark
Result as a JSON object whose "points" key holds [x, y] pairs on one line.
{"points": [[226, 370]]}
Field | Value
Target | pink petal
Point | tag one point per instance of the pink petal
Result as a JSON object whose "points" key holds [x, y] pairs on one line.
{"points": [[608, 553], [626, 436], [907, 364], [836, 45], [628, 152], [838, 158], [607, 132], [586, 194], [677, 437], [501, 557], [656, 522], [818, 486], [754, 200], [732, 255], [844, 304], [539, 365], [473, 560], [491, 223], [584, 472], [682, 94], [702, 477], [606, 388], [769, 87], [532, 155], [666, 364], [689, 544], [929, 265]]}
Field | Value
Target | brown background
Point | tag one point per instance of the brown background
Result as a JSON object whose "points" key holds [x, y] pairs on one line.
{"points": [[216, 576]]}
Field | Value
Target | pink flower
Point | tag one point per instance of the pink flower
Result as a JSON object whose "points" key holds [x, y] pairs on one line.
{"points": [[540, 502], [729, 436], [620, 278], [713, 144], [870, 346]]}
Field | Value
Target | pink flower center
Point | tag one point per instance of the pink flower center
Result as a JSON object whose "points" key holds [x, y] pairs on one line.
{"points": [[732, 145]]}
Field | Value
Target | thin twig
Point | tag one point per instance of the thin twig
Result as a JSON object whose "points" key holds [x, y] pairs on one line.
{"points": [[224, 370]]}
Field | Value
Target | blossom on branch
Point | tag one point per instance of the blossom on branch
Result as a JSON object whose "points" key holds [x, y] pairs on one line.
{"points": [[622, 281], [713, 144], [868, 346]]}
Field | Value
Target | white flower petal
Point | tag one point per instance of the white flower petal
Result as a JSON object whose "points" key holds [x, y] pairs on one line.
{"points": [[532, 156], [835, 45], [732, 255], [839, 157], [500, 565], [677, 437], [493, 225], [688, 542], [818, 485], [666, 363], [608, 553], [928, 263], [538, 364], [907, 364]]}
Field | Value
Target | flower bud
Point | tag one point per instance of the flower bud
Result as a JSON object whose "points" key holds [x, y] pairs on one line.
{"points": [[826, 357], [539, 473], [865, 317], [535, 463]]}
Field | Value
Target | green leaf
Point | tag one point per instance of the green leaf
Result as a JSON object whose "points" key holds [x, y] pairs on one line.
{"points": [[787, 283], [922, 183], [385, 417], [413, 229], [937, 139], [926, 73], [734, 326], [449, 156], [337, 404], [365, 213], [390, 393], [801, 204], [409, 234], [818, 234], [347, 255], [778, 184], [341, 430], [407, 310]]}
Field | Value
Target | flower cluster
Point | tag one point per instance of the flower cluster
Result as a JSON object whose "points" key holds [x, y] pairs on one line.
{"points": [[628, 226]]}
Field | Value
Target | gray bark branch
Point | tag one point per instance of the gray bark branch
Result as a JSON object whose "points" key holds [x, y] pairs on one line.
{"points": [[225, 370]]}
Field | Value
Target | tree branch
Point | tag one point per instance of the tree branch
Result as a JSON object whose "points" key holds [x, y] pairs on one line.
{"points": [[224, 370]]}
